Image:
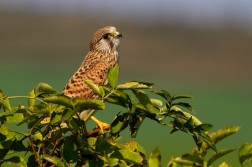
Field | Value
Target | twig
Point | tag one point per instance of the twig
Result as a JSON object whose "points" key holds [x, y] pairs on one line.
{"points": [[54, 147], [34, 151], [84, 128]]}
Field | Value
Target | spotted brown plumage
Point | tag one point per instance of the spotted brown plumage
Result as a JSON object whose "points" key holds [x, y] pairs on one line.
{"points": [[103, 55]]}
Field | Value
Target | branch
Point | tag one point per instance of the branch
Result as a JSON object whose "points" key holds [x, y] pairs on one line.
{"points": [[34, 151]]}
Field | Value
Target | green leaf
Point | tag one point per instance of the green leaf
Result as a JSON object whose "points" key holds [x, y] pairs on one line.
{"points": [[135, 85], [33, 121], [107, 88], [8, 112], [121, 94], [95, 88], [132, 104], [18, 146], [9, 136], [31, 100], [4, 101], [118, 124], [102, 91], [219, 154], [17, 161], [113, 161], [4, 127], [74, 124], [223, 133], [32, 161], [15, 118], [7, 140], [245, 153], [128, 156], [181, 97], [38, 135], [189, 123], [145, 100], [187, 162], [60, 100], [89, 147], [195, 157], [122, 163], [162, 93], [88, 104], [177, 112], [44, 88], [224, 164], [105, 145], [210, 142], [135, 122], [69, 151], [116, 100], [53, 159], [198, 139], [133, 146], [55, 118], [203, 127], [94, 163], [3, 153], [156, 102], [113, 76], [186, 105], [155, 158], [67, 114], [118, 97], [7, 144]]}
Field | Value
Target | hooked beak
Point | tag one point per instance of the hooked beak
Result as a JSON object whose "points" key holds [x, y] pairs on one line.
{"points": [[117, 34]]}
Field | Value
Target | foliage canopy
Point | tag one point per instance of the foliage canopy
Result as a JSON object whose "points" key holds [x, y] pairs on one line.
{"points": [[56, 135]]}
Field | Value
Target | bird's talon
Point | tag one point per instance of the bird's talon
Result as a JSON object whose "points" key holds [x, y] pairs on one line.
{"points": [[100, 124]]}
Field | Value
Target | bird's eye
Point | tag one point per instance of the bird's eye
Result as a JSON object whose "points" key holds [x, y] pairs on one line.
{"points": [[105, 36]]}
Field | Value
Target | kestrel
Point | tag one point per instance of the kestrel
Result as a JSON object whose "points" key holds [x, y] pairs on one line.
{"points": [[103, 55]]}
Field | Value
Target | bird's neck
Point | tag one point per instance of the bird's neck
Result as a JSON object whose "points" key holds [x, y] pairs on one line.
{"points": [[111, 57]]}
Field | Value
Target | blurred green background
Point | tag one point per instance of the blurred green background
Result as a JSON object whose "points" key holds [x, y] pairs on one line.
{"points": [[181, 52]]}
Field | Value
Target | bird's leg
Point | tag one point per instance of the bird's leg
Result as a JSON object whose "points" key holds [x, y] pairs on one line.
{"points": [[100, 124]]}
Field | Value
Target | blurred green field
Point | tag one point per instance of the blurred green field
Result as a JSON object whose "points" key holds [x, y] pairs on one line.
{"points": [[213, 65]]}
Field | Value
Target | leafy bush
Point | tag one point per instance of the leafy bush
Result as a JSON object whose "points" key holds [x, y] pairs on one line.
{"points": [[197, 157], [57, 136]]}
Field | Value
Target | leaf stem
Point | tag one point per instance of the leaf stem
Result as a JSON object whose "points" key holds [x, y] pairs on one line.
{"points": [[89, 115], [109, 93]]}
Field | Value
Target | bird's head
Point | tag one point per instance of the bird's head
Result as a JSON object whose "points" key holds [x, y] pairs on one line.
{"points": [[106, 40]]}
